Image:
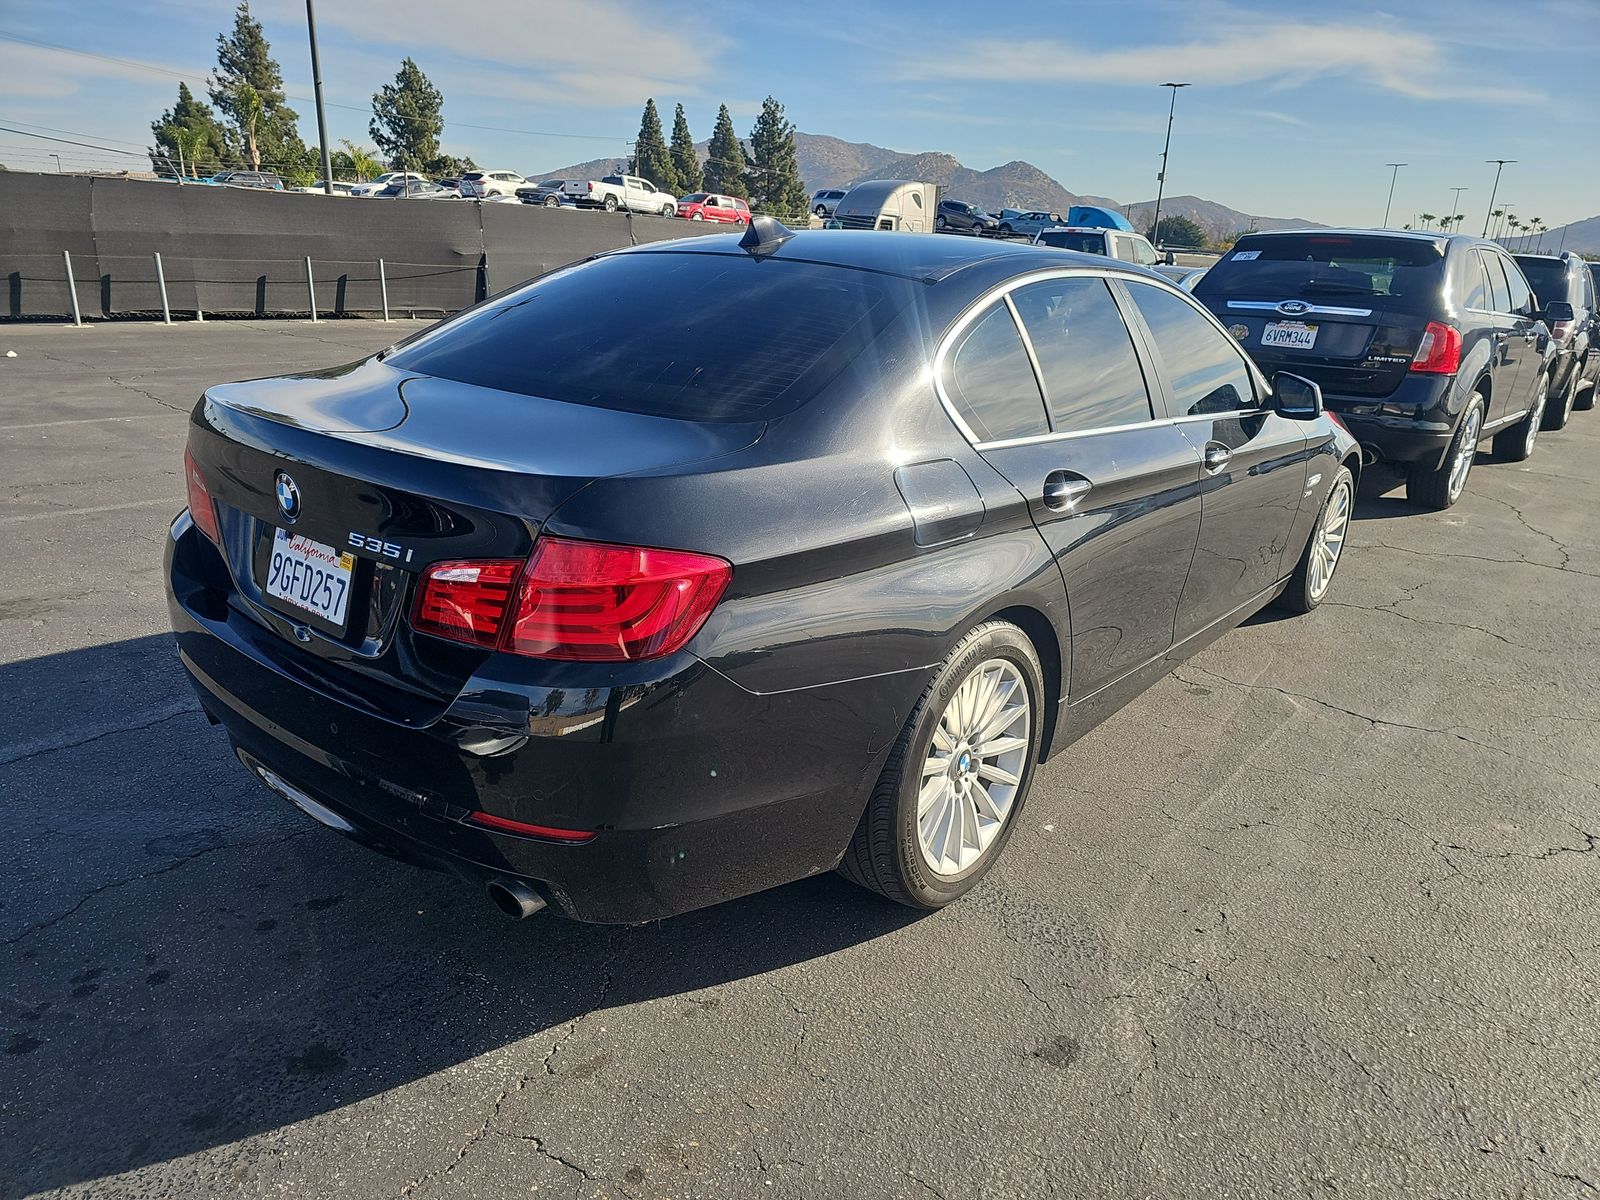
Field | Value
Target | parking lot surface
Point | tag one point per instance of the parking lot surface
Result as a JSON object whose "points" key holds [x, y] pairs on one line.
{"points": [[1315, 916]]}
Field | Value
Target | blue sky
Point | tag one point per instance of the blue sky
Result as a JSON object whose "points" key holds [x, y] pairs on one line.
{"points": [[1294, 111]]}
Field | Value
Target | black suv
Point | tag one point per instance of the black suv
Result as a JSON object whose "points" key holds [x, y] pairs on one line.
{"points": [[1424, 344], [957, 216], [1556, 278]]}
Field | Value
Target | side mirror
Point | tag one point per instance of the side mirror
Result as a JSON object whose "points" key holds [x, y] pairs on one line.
{"points": [[1558, 310], [1170, 259], [1295, 397]]}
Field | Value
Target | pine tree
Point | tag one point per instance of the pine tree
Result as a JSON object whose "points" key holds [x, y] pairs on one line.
{"points": [[726, 160], [650, 156], [188, 134], [407, 119], [244, 66], [684, 159], [775, 183]]}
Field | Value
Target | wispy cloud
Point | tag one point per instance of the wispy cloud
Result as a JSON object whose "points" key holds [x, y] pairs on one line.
{"points": [[1386, 56]]}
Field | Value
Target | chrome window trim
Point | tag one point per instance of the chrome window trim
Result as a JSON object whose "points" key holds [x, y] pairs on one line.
{"points": [[1033, 361], [1039, 439], [980, 306], [1324, 310]]}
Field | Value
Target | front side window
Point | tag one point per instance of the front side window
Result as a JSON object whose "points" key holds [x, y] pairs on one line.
{"points": [[1521, 297], [991, 382], [1092, 377], [1143, 253], [1204, 370], [1499, 289]]}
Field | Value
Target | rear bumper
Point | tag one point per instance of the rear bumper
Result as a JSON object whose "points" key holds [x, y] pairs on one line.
{"points": [[697, 790], [1414, 424]]}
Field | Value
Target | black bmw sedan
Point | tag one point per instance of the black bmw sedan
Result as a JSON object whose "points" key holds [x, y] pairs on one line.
{"points": [[701, 567]]}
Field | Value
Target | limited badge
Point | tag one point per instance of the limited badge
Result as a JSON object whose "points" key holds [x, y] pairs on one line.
{"points": [[1239, 331]]}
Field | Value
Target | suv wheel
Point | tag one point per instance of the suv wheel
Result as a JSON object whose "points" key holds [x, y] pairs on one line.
{"points": [[1309, 583], [1005, 227], [1585, 398], [1439, 487], [939, 223], [949, 794], [1516, 443], [1557, 415], [552, 202]]}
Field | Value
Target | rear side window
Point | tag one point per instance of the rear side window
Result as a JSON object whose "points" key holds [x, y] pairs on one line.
{"points": [[694, 336], [1499, 289], [1092, 377], [991, 382], [1406, 274], [1521, 296], [1474, 288], [1065, 239], [1204, 371]]}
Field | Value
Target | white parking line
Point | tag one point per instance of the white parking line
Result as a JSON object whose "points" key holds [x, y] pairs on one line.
{"points": [[89, 421]]}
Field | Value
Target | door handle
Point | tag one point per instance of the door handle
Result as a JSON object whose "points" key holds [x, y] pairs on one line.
{"points": [[1217, 456], [1063, 490]]}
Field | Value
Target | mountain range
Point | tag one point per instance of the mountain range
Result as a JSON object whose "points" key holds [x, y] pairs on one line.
{"points": [[830, 162], [1582, 236]]}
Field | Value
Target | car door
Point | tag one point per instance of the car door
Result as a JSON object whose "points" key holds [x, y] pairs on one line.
{"points": [[1049, 385], [1510, 378], [1254, 461], [1528, 328]]}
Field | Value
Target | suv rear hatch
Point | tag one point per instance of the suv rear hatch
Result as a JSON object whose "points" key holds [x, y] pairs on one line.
{"points": [[1347, 310]]}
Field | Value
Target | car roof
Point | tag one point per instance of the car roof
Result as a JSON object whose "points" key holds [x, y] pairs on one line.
{"points": [[1081, 229]]}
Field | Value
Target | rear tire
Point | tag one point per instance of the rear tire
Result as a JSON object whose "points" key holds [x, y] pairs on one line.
{"points": [[940, 791], [1557, 415], [1585, 398], [1313, 575], [611, 204], [669, 210], [1516, 444], [1438, 487]]}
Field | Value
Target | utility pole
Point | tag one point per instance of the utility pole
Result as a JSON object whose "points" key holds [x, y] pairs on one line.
{"points": [[1455, 204], [1393, 175], [1499, 165], [322, 116], [1161, 179]]}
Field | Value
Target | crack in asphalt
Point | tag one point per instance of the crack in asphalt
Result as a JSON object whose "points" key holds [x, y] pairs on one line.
{"points": [[546, 1152], [30, 750], [172, 865], [1515, 562], [1394, 612], [1566, 555]]}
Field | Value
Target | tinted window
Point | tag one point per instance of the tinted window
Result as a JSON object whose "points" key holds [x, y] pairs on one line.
{"points": [[1091, 374], [1521, 296], [1546, 276], [1066, 239], [1474, 288], [1406, 273], [990, 381], [1499, 289], [649, 333], [1203, 370], [693, 198]]}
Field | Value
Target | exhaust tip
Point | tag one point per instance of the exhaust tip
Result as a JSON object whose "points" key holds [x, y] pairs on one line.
{"points": [[514, 898]]}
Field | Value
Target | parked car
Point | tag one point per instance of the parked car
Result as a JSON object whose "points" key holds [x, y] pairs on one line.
{"points": [[957, 216], [480, 184], [888, 204], [1565, 278], [260, 180], [1424, 343], [546, 193], [825, 200], [710, 206], [615, 192], [340, 188], [1030, 221], [615, 613], [411, 189], [1113, 243], [373, 187]]}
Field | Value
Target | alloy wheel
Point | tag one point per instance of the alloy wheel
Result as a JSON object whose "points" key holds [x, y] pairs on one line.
{"points": [[1328, 541], [974, 767], [1536, 417], [1466, 451]]}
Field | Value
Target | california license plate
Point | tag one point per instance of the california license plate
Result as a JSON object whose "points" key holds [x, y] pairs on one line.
{"points": [[310, 576], [1296, 335]]}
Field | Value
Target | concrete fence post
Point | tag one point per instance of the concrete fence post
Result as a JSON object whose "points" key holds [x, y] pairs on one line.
{"points": [[161, 279], [383, 288], [311, 289], [72, 288]]}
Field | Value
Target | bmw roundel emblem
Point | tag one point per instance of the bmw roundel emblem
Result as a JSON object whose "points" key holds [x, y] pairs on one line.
{"points": [[288, 493], [1293, 308]]}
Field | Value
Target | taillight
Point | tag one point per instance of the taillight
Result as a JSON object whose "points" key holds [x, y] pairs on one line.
{"points": [[1560, 329], [201, 509], [466, 601], [1439, 352], [526, 829], [589, 186], [584, 601]]}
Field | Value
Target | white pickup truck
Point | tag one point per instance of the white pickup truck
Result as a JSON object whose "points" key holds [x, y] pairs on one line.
{"points": [[620, 191]]}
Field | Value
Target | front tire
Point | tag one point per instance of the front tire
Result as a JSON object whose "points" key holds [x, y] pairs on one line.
{"points": [[1441, 486], [1308, 586], [947, 800], [939, 224], [1557, 415], [1516, 443], [1004, 228]]}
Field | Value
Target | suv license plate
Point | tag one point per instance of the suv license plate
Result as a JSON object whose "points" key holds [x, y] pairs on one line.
{"points": [[310, 576], [1296, 335]]}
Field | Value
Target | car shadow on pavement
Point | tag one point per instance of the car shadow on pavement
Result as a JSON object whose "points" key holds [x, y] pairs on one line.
{"points": [[1381, 493], [189, 961]]}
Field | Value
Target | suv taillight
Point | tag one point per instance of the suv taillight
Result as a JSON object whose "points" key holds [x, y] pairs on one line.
{"points": [[1439, 352], [1560, 330], [201, 509], [574, 600]]}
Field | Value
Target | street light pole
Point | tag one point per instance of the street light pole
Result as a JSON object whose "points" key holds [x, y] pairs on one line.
{"points": [[1499, 165], [1161, 179], [1393, 175], [1455, 203], [322, 116]]}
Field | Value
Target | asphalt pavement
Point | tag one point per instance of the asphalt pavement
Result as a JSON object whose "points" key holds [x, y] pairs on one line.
{"points": [[1318, 915]]}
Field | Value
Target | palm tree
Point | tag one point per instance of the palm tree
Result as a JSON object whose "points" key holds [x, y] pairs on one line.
{"points": [[250, 109], [1426, 219], [1513, 225], [1495, 216], [1538, 227], [363, 162], [190, 142]]}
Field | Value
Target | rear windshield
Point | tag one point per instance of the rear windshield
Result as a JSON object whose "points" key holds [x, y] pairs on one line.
{"points": [[1546, 276], [1403, 273], [694, 198], [1065, 239], [695, 336]]}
